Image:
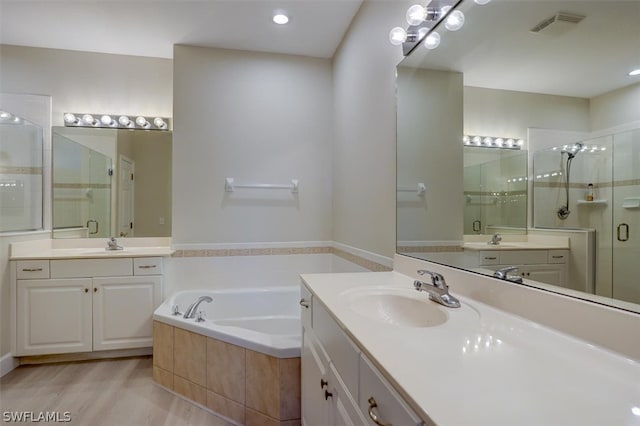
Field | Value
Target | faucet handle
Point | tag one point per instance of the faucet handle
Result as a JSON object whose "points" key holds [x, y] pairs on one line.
{"points": [[175, 310], [437, 280], [200, 316]]}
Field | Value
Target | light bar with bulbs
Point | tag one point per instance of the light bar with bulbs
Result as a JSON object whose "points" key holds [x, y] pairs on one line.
{"points": [[423, 20], [105, 121], [492, 142]]}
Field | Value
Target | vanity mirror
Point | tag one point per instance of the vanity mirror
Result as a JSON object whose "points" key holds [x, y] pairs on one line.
{"points": [[558, 76], [109, 182]]}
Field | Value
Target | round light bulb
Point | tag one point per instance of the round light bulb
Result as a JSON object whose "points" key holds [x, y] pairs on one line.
{"points": [[465, 139], [416, 14], [70, 118], [481, 2], [88, 119], [499, 141], [454, 21], [397, 36], [634, 72], [124, 120], [106, 120], [159, 123], [477, 140], [142, 122], [16, 120], [4, 115], [422, 32], [510, 142], [488, 141], [432, 40], [520, 142], [280, 18]]}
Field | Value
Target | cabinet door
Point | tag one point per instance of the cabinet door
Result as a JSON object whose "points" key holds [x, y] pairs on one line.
{"points": [[344, 409], [314, 369], [53, 316], [550, 274], [122, 311]]}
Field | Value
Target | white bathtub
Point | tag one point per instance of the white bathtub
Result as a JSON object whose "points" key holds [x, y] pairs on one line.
{"points": [[265, 320]]}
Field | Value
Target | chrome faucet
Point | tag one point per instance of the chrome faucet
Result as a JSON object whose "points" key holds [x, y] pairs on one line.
{"points": [[437, 289], [495, 240], [112, 244], [503, 274], [192, 309]]}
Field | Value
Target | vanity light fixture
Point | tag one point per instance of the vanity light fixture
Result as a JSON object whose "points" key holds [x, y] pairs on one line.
{"points": [[8, 118], [423, 19], [74, 119], [492, 142]]}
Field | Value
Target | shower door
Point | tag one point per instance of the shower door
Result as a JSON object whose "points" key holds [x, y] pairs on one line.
{"points": [[626, 216]]}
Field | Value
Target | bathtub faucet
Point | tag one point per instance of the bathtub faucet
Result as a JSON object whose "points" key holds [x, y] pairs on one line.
{"points": [[193, 308]]}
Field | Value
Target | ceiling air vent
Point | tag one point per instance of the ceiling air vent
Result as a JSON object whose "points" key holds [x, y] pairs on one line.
{"points": [[557, 24]]}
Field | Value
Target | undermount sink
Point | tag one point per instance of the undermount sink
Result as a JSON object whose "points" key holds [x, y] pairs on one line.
{"points": [[404, 308]]}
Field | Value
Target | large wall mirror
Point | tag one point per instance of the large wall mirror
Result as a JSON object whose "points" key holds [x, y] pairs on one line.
{"points": [[526, 123], [111, 182]]}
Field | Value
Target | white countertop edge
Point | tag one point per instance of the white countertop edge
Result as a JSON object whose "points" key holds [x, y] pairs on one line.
{"points": [[89, 248]]}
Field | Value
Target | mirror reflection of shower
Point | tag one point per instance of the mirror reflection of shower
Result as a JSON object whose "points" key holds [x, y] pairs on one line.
{"points": [[564, 212]]}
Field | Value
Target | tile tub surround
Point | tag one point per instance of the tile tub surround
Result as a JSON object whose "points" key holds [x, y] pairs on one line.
{"points": [[242, 385]]}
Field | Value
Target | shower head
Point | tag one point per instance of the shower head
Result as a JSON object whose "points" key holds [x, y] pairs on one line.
{"points": [[572, 151]]}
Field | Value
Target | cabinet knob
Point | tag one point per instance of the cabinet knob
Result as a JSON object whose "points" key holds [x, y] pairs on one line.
{"points": [[86, 290], [323, 383], [95, 289], [327, 395], [304, 303]]}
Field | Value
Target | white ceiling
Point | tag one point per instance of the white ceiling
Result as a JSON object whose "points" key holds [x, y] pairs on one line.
{"points": [[152, 27], [495, 48]]}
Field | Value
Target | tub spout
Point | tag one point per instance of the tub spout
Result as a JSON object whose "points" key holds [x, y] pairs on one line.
{"points": [[193, 308]]}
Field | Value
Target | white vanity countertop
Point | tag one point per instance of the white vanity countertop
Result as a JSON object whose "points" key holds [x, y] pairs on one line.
{"points": [[517, 242], [86, 248], [484, 366]]}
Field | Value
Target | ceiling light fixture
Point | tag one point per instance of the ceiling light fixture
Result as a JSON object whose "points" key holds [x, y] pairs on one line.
{"points": [[74, 119], [280, 18], [635, 72]]}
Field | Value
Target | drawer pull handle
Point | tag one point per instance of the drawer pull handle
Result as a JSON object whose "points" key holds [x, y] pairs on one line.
{"points": [[304, 303], [374, 416], [327, 395], [146, 266], [323, 383], [490, 258], [32, 270]]}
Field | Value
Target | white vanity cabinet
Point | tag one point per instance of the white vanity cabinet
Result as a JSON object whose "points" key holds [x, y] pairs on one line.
{"points": [[547, 266], [338, 380], [83, 305]]}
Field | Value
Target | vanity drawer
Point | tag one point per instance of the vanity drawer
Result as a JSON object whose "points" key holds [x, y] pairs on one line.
{"points": [[390, 409], [147, 266], [489, 258], [523, 257], [558, 256], [79, 268], [306, 300], [341, 351], [32, 269]]}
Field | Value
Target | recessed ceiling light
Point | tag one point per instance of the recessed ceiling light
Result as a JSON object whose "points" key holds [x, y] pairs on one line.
{"points": [[280, 18], [635, 72]]}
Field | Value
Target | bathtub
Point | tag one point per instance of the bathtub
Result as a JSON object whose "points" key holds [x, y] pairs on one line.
{"points": [[265, 320]]}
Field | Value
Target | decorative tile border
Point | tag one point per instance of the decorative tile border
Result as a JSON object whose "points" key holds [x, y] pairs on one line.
{"points": [[429, 249], [284, 251], [82, 185], [627, 182], [17, 170]]}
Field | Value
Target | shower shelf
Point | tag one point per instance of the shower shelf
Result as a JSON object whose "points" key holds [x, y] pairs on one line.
{"points": [[594, 202]]}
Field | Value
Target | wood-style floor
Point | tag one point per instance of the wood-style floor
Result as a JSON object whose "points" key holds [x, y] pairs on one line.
{"points": [[110, 393]]}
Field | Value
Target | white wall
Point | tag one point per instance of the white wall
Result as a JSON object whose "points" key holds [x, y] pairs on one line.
{"points": [[259, 118], [364, 129], [89, 82], [615, 108]]}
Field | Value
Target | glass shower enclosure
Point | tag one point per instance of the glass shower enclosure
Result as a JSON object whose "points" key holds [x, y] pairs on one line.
{"points": [[81, 190], [598, 180]]}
